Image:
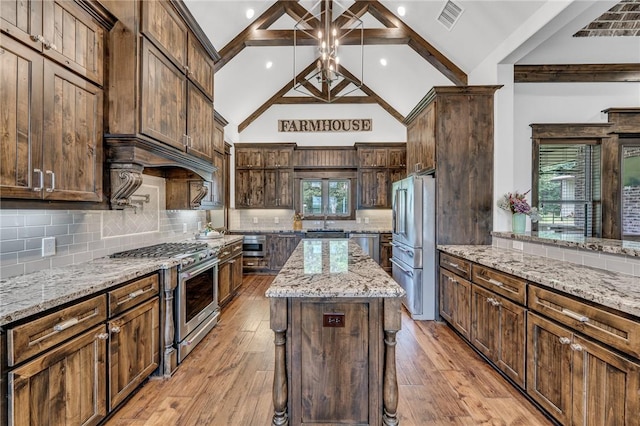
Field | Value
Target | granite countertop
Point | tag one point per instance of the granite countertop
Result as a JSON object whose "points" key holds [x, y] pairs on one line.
{"points": [[332, 268], [629, 248], [290, 231], [615, 290], [33, 293]]}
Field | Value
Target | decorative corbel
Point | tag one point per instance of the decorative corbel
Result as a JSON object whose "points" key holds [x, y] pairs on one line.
{"points": [[125, 180], [198, 192]]}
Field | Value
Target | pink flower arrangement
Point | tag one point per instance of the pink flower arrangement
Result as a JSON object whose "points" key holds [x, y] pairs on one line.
{"points": [[517, 203]]}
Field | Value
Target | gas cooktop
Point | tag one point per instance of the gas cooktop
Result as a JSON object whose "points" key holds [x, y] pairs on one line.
{"points": [[163, 250]]}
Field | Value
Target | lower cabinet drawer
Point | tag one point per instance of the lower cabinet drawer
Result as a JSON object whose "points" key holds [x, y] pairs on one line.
{"points": [[38, 335], [133, 294], [255, 263], [607, 327], [506, 285]]}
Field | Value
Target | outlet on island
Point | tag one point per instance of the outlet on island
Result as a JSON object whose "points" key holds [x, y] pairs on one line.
{"points": [[276, 220], [255, 220]]}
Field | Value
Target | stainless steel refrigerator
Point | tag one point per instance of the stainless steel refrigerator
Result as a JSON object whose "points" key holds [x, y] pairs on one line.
{"points": [[414, 245]]}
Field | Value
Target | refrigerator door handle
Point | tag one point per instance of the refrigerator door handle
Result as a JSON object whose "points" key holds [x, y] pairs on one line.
{"points": [[401, 221], [405, 251], [394, 213], [410, 273]]}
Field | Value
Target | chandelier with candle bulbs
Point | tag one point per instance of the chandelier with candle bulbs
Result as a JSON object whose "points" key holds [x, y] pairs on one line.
{"points": [[319, 29]]}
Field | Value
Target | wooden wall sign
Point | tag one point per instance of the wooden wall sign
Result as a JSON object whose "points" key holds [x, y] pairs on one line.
{"points": [[326, 125]]}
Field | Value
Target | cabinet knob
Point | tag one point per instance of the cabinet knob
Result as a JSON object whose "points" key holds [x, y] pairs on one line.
{"points": [[37, 38], [576, 347], [565, 340], [115, 329], [103, 336]]}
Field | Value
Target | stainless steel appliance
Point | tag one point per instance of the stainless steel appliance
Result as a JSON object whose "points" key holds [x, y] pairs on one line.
{"points": [[196, 309], [370, 244], [413, 244], [254, 245]]}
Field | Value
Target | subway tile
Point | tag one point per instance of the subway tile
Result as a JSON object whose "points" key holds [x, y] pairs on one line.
{"points": [[78, 228], [573, 256], [36, 266], [11, 221], [112, 242], [8, 212], [12, 270], [8, 233], [594, 261], [11, 246], [555, 253], [81, 238], [52, 231], [535, 249], [8, 259], [35, 220], [95, 245], [62, 250], [636, 270], [29, 256], [96, 254], [619, 266], [31, 232], [77, 248], [64, 240], [59, 261], [33, 244], [82, 257], [62, 219]]}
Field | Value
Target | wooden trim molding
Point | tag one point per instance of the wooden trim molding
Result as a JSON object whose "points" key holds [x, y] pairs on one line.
{"points": [[576, 73]]}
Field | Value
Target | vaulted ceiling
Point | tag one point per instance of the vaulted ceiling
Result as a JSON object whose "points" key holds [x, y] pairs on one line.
{"points": [[419, 51]]}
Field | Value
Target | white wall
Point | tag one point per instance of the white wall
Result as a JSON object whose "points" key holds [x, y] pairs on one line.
{"points": [[547, 103]]}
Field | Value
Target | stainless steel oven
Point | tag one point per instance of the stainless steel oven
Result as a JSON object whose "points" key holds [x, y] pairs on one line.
{"points": [[254, 245], [196, 303]]}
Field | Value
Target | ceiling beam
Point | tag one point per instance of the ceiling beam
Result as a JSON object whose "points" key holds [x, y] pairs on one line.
{"points": [[298, 13], [235, 46], [279, 97], [420, 45], [576, 73], [359, 8], [371, 36]]}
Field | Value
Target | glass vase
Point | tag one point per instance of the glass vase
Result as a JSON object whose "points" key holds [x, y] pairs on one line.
{"points": [[518, 223]]}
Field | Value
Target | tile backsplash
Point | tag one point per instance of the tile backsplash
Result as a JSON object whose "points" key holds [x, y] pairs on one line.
{"points": [[282, 220], [83, 235]]}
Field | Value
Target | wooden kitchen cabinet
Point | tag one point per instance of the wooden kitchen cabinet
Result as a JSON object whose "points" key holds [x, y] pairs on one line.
{"points": [[498, 331], [278, 188], [455, 301], [215, 196], [229, 272], [68, 384], [200, 124], [249, 188], [62, 30], [577, 380], [45, 102], [276, 157], [373, 188], [386, 252], [236, 273], [280, 247], [224, 283], [372, 157], [249, 158]]}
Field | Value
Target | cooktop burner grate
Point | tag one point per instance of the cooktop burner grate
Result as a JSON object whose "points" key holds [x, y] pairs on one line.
{"points": [[163, 250]]}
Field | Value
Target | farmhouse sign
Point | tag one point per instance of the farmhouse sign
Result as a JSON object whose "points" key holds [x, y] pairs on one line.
{"points": [[326, 125]]}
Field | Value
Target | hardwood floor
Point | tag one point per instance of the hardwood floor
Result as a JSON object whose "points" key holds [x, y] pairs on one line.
{"points": [[227, 379]]}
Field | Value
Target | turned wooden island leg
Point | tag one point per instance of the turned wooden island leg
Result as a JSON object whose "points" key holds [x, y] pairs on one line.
{"points": [[392, 323], [280, 385]]}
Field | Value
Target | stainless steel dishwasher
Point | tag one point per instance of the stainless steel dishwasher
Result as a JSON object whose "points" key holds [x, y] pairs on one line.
{"points": [[370, 244]]}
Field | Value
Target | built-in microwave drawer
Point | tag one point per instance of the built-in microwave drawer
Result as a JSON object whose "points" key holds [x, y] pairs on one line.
{"points": [[132, 294], [34, 337], [456, 265], [505, 285], [595, 322]]}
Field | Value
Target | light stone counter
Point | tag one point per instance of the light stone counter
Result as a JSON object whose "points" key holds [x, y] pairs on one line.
{"points": [[615, 290], [31, 294], [34, 293], [332, 268], [629, 248]]}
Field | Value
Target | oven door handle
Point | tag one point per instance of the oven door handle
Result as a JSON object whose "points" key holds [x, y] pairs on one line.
{"points": [[193, 272]]}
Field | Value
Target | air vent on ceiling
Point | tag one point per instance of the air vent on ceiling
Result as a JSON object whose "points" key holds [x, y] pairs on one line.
{"points": [[449, 14]]}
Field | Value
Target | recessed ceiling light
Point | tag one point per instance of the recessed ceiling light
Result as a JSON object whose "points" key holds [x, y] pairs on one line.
{"points": [[401, 10], [269, 64], [383, 62], [250, 13]]}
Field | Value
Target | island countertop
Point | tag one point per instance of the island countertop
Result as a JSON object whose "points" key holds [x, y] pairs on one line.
{"points": [[332, 268]]}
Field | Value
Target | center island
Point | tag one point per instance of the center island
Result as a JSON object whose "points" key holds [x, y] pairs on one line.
{"points": [[335, 314]]}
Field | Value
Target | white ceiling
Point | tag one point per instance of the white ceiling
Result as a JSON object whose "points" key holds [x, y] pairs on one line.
{"points": [[510, 31]]}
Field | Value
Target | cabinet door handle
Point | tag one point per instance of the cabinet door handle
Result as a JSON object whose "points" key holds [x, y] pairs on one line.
{"points": [[53, 181], [136, 294], [575, 315], [495, 282], [40, 187], [576, 347], [65, 324], [564, 340], [115, 329], [250, 264], [103, 336]]}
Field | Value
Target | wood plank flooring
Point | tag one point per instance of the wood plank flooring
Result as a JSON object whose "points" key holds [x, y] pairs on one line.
{"points": [[226, 380]]}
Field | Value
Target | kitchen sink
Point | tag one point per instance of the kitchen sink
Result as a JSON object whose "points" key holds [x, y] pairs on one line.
{"points": [[326, 233]]}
